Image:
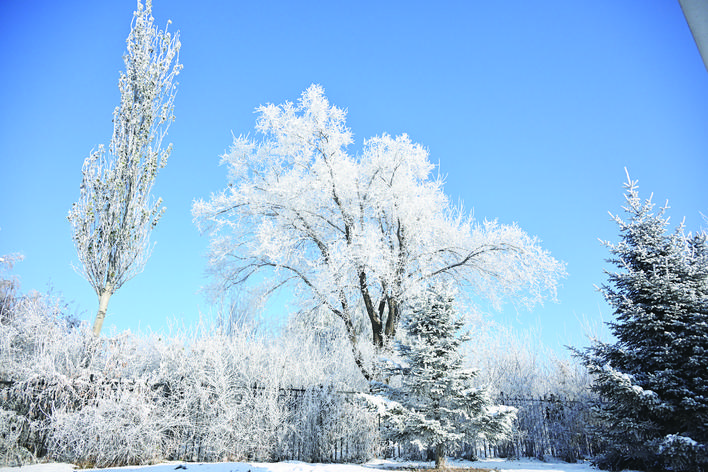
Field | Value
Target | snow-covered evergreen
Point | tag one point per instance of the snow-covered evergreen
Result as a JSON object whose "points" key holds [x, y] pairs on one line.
{"points": [[653, 379], [430, 400]]}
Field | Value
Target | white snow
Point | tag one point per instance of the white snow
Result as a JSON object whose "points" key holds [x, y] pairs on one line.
{"points": [[40, 468], [524, 465]]}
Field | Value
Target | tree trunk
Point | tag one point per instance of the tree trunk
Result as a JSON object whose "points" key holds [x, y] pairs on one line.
{"points": [[439, 456], [102, 308], [358, 358], [377, 333], [392, 320], [343, 314], [374, 317]]}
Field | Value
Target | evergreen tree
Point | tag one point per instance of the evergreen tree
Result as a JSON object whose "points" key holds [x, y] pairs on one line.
{"points": [[653, 379], [433, 403]]}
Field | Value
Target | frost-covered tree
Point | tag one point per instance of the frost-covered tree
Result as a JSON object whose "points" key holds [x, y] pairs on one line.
{"points": [[430, 399], [653, 379], [357, 235], [115, 213], [8, 285]]}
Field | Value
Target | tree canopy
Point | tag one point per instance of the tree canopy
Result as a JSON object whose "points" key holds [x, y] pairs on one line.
{"points": [[358, 234]]}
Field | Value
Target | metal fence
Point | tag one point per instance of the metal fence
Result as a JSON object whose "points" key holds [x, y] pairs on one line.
{"points": [[321, 424], [547, 426]]}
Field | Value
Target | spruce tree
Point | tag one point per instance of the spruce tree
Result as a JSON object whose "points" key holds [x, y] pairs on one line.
{"points": [[429, 399], [653, 379]]}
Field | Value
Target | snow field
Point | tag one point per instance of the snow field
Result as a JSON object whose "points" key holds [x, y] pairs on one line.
{"points": [[525, 465]]}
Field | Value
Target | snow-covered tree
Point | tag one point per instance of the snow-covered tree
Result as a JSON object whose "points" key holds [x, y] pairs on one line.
{"points": [[8, 285], [430, 399], [357, 235], [653, 379], [115, 213]]}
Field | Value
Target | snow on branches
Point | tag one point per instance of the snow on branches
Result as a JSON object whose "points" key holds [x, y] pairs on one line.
{"points": [[112, 220], [429, 399], [653, 378], [355, 234]]}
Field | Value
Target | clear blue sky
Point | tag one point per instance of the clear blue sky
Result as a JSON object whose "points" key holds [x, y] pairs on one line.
{"points": [[532, 110]]}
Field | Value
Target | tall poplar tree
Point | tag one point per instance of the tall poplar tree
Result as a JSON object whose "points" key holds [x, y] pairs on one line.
{"points": [[653, 379], [115, 213]]}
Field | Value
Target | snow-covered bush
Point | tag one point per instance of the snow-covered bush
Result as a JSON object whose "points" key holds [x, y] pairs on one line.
{"points": [[118, 429], [520, 364], [223, 395], [326, 425], [39, 353], [13, 429], [551, 393], [325, 422], [138, 398], [319, 352]]}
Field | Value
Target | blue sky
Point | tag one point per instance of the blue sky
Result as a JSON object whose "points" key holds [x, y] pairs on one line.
{"points": [[531, 109]]}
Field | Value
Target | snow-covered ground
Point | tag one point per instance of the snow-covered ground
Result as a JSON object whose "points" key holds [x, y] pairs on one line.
{"points": [[497, 464]]}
